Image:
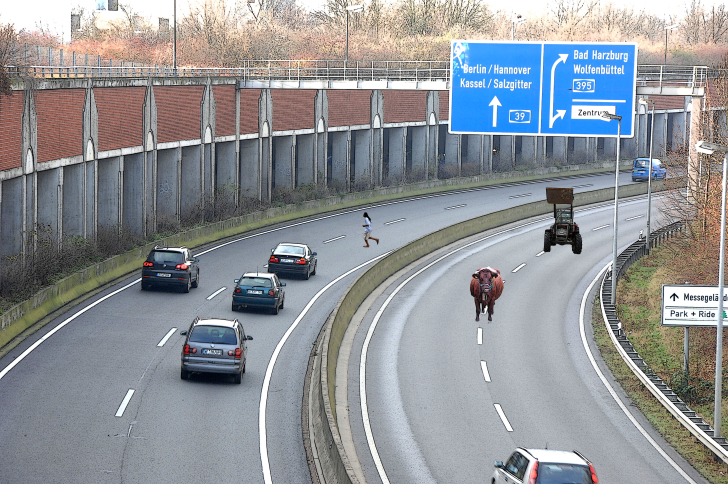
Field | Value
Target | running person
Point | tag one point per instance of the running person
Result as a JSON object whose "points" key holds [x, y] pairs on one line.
{"points": [[368, 230]]}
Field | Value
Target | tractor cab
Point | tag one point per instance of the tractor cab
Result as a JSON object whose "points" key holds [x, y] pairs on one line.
{"points": [[564, 231]]}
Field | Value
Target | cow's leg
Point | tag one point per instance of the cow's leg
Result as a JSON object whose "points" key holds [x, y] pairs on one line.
{"points": [[484, 302], [491, 305], [477, 309]]}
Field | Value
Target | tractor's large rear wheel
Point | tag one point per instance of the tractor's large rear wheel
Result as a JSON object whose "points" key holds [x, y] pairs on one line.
{"points": [[576, 246], [547, 242]]}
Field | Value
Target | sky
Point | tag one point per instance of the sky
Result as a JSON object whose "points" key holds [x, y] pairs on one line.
{"points": [[56, 14]]}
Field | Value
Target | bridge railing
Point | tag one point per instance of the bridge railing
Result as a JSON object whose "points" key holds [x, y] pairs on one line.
{"points": [[339, 70]]}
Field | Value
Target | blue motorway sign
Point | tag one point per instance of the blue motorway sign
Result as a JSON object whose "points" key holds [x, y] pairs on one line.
{"points": [[542, 88]]}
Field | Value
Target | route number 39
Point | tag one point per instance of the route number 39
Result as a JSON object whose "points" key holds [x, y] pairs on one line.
{"points": [[584, 85]]}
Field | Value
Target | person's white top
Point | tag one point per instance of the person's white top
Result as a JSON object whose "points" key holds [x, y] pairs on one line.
{"points": [[368, 223]]}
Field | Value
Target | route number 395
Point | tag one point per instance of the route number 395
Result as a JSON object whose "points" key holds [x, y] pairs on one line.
{"points": [[584, 85]]}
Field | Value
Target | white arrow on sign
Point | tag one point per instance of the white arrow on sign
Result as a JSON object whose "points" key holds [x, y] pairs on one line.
{"points": [[559, 112], [495, 103]]}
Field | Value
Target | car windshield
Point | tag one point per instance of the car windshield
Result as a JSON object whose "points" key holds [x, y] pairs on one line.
{"points": [[289, 249], [640, 163], [256, 281], [162, 256], [213, 334], [561, 473]]}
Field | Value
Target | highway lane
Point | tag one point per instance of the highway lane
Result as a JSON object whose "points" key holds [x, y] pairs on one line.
{"points": [[58, 405], [447, 396]]}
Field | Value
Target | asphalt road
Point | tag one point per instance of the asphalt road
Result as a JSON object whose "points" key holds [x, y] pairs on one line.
{"points": [[59, 403], [447, 396]]}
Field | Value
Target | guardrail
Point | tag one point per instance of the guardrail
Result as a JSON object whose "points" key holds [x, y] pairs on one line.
{"points": [[327, 453], [664, 394], [339, 70]]}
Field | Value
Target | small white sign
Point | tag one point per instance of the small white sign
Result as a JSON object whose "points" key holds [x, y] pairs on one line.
{"points": [[688, 305], [592, 112]]}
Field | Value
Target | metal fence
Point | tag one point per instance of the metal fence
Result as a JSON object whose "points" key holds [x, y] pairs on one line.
{"points": [[338, 70]]}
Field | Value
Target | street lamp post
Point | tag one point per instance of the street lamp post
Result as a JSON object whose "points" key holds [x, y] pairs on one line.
{"points": [[671, 27], [708, 149], [517, 20], [610, 117], [645, 102], [351, 8], [174, 40]]}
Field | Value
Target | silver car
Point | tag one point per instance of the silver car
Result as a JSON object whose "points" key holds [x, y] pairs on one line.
{"points": [[214, 346]]}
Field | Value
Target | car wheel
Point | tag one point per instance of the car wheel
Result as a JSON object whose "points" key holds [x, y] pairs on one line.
{"points": [[282, 302], [145, 286], [308, 274], [576, 248], [275, 309], [187, 286], [238, 378], [546, 242], [197, 280], [243, 367], [314, 268], [184, 374]]}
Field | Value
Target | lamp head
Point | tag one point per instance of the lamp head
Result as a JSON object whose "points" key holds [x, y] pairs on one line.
{"points": [[355, 8], [672, 27]]}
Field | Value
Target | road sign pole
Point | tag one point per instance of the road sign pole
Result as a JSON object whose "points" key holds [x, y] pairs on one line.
{"points": [[686, 352], [719, 332], [616, 209]]}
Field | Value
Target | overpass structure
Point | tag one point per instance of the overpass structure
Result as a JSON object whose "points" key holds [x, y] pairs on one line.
{"points": [[88, 148]]}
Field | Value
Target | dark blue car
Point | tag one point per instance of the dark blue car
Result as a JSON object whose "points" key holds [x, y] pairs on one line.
{"points": [[259, 290], [641, 166]]}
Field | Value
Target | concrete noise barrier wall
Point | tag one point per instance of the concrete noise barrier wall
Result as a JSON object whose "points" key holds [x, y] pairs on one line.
{"points": [[333, 465]]}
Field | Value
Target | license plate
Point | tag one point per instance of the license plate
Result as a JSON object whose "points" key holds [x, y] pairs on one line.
{"points": [[287, 261], [211, 352], [163, 274], [254, 291]]}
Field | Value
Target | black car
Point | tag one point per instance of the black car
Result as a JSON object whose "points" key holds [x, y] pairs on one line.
{"points": [[214, 346], [290, 258], [171, 266]]}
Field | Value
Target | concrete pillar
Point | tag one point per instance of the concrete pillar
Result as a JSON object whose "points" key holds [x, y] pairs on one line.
{"points": [[11, 216], [660, 133], [397, 153], [167, 188], [283, 162], [376, 108], [191, 185], [419, 153], [503, 156], [339, 142], [250, 168], [49, 201], [265, 155], [580, 153], [149, 123], [305, 159], [559, 153], [133, 200], [109, 193], [529, 151], [73, 221], [642, 131], [432, 139], [91, 198], [361, 146], [450, 165], [470, 162]]}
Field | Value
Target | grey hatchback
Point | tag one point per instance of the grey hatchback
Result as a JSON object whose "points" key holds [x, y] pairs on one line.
{"points": [[214, 346]]}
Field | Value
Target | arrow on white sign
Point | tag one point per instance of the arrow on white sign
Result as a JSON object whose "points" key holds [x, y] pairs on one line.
{"points": [[495, 103], [559, 112]]}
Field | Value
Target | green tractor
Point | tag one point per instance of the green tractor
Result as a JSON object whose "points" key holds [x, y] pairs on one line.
{"points": [[564, 230]]}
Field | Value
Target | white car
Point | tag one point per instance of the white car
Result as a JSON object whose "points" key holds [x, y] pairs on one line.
{"points": [[543, 466]]}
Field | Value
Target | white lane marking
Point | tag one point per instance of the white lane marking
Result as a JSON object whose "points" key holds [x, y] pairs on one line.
{"points": [[540, 254], [484, 367], [519, 268], [395, 221], [269, 371], [58, 328], [456, 206], [583, 186], [168, 335], [503, 417], [600, 228], [609, 387], [480, 336], [632, 218], [335, 238], [216, 293], [520, 196], [395, 202], [124, 403]]}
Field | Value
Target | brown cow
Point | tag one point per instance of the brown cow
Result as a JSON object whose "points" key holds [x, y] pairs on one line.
{"points": [[486, 286]]}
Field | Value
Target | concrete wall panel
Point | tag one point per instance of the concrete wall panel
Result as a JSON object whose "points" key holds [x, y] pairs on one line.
{"points": [[167, 187], [73, 200], [190, 198], [133, 199], [283, 162], [249, 169], [305, 163], [109, 193], [11, 215], [49, 205]]}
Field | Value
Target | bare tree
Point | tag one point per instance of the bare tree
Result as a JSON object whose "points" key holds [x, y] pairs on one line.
{"points": [[9, 55]]}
